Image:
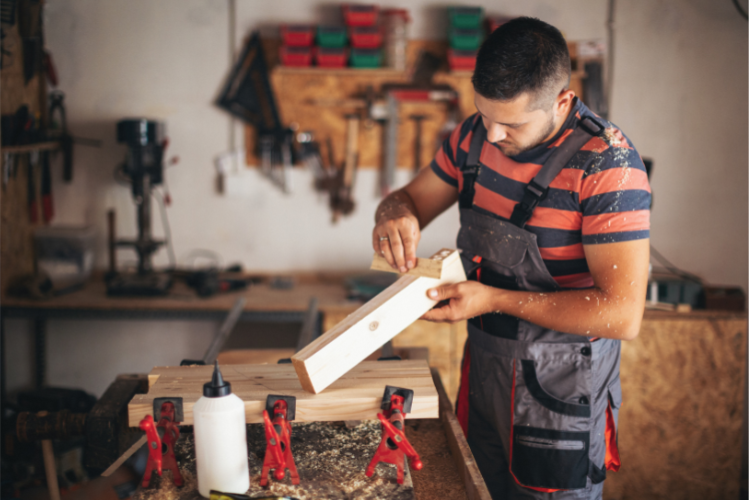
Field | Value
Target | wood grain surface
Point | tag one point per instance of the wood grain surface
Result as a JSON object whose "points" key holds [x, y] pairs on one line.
{"points": [[375, 323], [356, 396]]}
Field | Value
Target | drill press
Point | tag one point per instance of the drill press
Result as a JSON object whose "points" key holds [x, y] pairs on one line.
{"points": [[146, 143]]}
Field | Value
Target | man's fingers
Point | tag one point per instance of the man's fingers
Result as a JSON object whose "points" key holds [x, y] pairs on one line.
{"points": [[409, 244], [386, 250], [443, 292], [396, 245], [438, 314]]}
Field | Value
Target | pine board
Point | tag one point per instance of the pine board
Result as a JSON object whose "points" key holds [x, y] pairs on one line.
{"points": [[324, 360], [355, 396]]}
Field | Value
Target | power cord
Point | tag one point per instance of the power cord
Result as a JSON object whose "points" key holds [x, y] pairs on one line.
{"points": [[740, 9]]}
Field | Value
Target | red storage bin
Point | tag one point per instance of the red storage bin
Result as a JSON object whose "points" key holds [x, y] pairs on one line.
{"points": [[297, 35], [461, 60], [295, 56], [331, 57], [366, 37], [360, 15]]}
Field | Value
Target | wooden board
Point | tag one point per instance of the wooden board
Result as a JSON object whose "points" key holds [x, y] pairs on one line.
{"points": [[430, 268], [356, 396], [327, 358], [680, 426], [16, 228]]}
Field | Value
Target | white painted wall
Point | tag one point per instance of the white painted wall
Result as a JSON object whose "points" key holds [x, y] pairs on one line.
{"points": [[680, 94]]}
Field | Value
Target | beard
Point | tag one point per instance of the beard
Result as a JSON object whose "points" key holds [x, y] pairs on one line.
{"points": [[514, 149]]}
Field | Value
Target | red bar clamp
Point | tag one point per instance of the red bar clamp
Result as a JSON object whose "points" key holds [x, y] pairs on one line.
{"points": [[158, 459], [396, 402], [279, 455]]}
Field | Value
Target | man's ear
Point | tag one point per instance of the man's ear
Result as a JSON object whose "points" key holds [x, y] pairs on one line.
{"points": [[562, 102]]}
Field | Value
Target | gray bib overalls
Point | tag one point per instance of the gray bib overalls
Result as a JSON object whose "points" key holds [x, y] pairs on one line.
{"points": [[539, 406]]}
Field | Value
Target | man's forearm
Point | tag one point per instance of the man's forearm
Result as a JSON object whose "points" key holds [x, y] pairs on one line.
{"points": [[396, 204], [591, 312]]}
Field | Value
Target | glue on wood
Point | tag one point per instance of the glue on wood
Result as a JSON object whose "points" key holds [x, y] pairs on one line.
{"points": [[219, 428]]}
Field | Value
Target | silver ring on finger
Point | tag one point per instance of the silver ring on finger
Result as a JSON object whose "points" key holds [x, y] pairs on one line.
{"points": [[383, 238]]}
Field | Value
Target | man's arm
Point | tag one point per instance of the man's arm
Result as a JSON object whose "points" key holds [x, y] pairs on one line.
{"points": [[612, 309], [401, 216]]}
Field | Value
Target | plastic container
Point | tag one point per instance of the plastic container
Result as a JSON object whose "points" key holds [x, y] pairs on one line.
{"points": [[461, 60], [366, 37], [65, 253], [494, 22], [360, 15], [219, 427], [331, 36], [297, 35], [295, 56], [395, 37], [465, 38], [465, 17], [329, 57], [366, 58]]}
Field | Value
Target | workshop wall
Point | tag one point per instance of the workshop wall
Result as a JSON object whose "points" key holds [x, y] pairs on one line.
{"points": [[680, 94]]}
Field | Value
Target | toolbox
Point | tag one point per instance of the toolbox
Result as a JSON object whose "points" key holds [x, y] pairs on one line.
{"points": [[366, 37], [330, 57], [360, 15], [465, 17], [331, 36], [295, 56], [461, 60], [465, 38], [366, 58], [297, 35]]}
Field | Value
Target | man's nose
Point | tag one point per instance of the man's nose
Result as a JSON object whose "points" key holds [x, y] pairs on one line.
{"points": [[496, 133]]}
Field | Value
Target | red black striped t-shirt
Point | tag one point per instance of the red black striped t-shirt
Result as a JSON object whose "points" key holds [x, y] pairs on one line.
{"points": [[601, 196]]}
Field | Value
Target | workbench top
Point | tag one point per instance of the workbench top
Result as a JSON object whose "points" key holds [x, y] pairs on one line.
{"points": [[328, 288]]}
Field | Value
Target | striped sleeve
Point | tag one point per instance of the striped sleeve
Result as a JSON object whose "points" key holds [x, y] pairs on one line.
{"points": [[445, 160], [615, 195]]}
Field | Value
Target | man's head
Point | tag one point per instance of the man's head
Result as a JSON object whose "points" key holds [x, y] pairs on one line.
{"points": [[521, 79]]}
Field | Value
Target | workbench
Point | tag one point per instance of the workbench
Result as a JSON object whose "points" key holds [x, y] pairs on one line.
{"points": [[683, 378]]}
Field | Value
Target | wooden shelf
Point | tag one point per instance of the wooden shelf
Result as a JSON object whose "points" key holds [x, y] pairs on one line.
{"points": [[28, 148], [317, 70]]}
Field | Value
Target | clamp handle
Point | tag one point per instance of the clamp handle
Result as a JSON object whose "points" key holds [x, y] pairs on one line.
{"points": [[274, 446], [398, 437]]}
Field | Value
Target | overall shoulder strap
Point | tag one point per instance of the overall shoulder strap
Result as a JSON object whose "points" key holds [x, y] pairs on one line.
{"points": [[537, 189], [472, 165]]}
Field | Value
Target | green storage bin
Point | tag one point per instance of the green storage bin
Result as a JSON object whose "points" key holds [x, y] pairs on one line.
{"points": [[334, 37], [466, 17], [366, 58], [466, 38]]}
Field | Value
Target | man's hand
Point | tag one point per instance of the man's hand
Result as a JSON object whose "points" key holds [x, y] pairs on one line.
{"points": [[397, 233], [401, 216], [460, 301]]}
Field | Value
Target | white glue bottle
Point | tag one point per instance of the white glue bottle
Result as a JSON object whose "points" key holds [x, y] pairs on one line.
{"points": [[219, 427]]}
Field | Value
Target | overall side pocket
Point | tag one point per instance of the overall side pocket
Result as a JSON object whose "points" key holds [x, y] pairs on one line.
{"points": [[549, 435]]}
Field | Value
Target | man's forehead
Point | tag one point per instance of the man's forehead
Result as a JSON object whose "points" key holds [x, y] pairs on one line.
{"points": [[512, 110]]}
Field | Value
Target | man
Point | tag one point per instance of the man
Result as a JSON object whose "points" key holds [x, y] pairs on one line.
{"points": [[554, 235]]}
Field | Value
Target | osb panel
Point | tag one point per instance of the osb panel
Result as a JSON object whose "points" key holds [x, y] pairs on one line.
{"points": [[16, 244], [680, 426]]}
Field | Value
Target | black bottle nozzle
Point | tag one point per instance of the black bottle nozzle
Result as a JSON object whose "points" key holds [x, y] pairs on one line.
{"points": [[217, 387]]}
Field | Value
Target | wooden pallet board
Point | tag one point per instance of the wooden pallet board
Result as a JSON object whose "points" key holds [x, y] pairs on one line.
{"points": [[355, 396], [327, 358]]}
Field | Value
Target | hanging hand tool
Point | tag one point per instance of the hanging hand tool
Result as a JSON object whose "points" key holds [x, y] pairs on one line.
{"points": [[394, 446], [48, 210], [31, 162], [277, 430], [158, 459], [341, 200], [417, 119]]}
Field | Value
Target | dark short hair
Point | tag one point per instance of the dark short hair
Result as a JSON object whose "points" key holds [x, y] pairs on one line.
{"points": [[523, 55]]}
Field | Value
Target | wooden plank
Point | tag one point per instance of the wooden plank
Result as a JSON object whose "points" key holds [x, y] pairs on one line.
{"points": [[430, 268], [475, 487], [327, 358], [356, 396]]}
